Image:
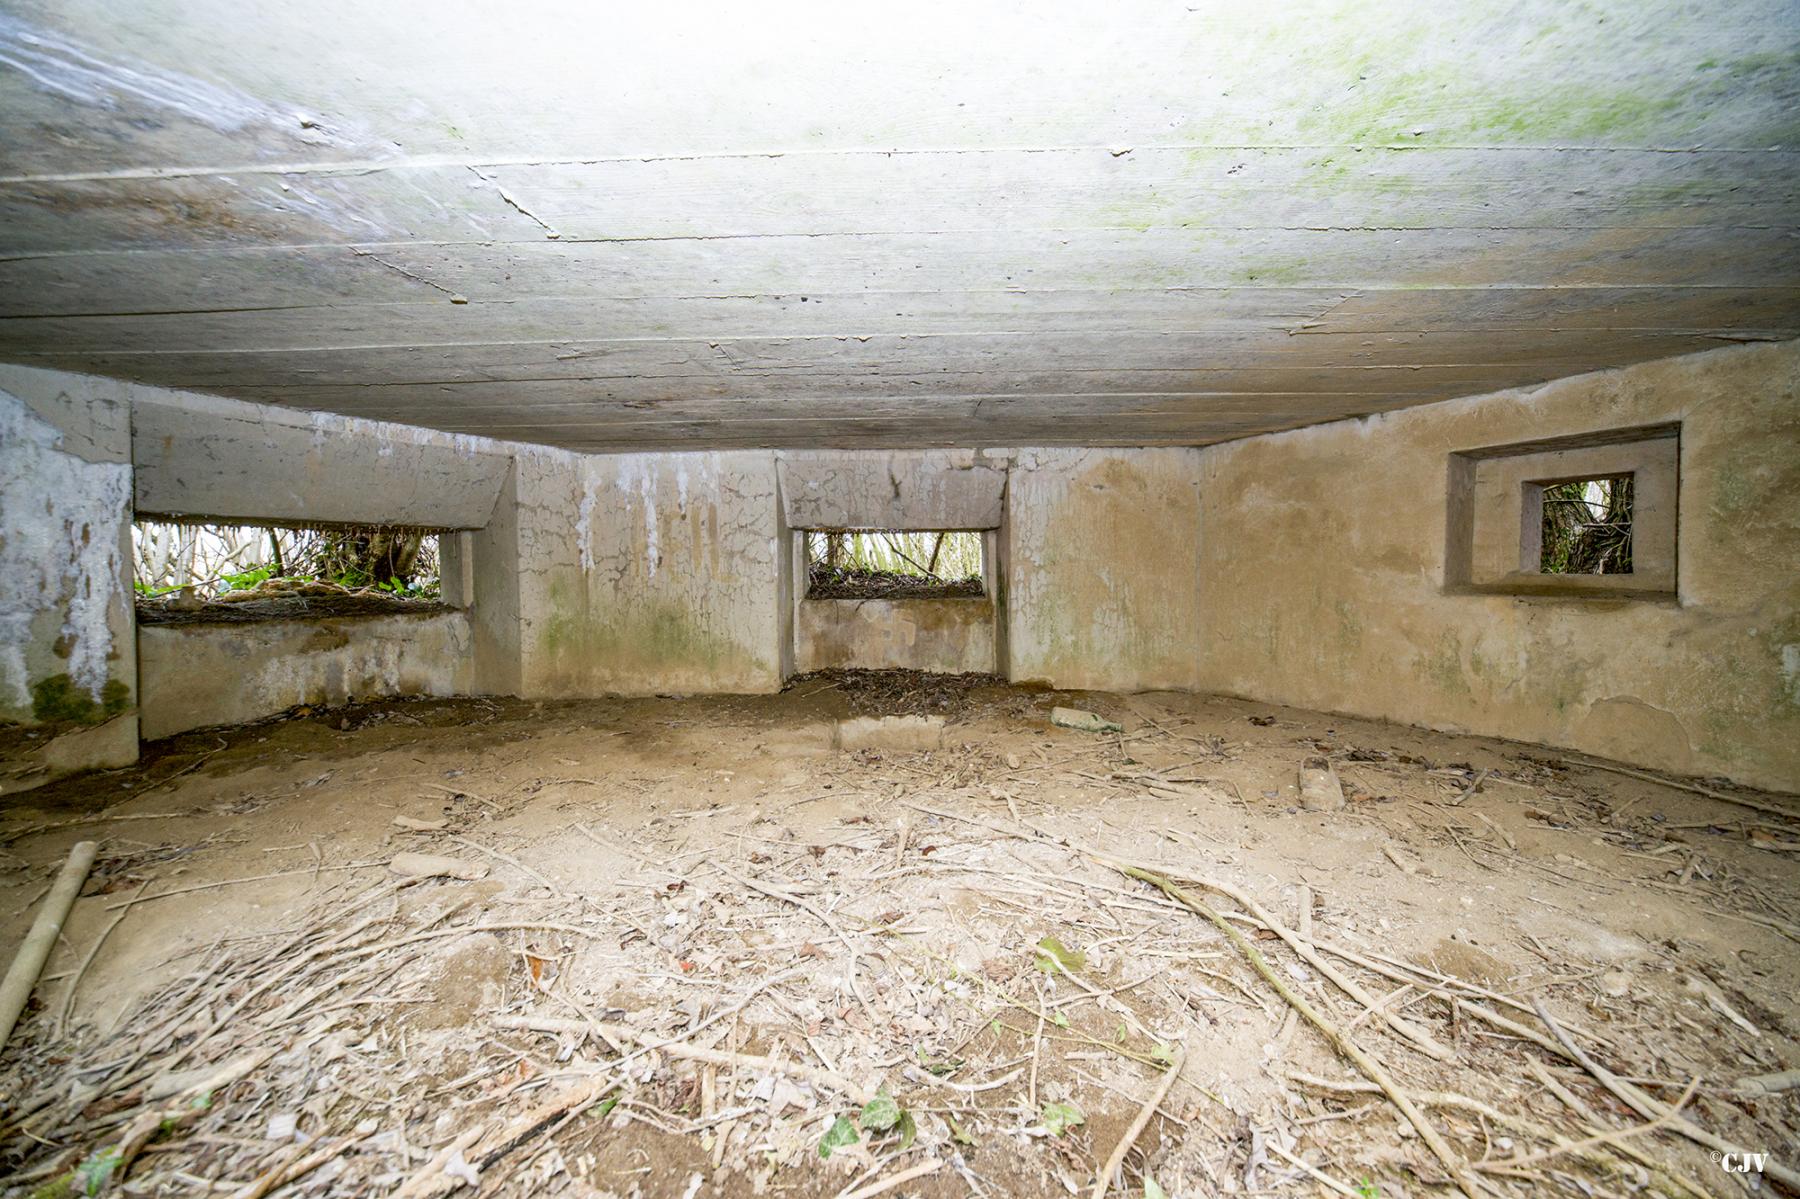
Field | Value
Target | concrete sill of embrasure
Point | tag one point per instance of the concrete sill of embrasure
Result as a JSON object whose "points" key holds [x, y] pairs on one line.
{"points": [[897, 599], [1555, 593]]}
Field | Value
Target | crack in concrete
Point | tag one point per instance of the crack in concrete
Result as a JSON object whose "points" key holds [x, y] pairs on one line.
{"points": [[1774, 332], [455, 296], [550, 230]]}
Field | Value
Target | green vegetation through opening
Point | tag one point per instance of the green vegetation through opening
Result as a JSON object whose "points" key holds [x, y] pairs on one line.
{"points": [[893, 564], [1587, 527], [218, 559]]}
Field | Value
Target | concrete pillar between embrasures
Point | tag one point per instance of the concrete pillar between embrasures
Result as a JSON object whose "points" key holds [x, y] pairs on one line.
{"points": [[489, 568], [456, 568], [68, 652]]}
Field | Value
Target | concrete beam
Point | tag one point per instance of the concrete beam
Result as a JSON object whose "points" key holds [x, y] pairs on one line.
{"points": [[200, 456], [932, 489]]}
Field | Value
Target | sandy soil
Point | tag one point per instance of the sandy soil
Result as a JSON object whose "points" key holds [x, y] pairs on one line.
{"points": [[712, 874]]}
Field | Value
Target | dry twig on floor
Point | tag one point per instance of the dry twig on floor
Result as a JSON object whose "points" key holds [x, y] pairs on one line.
{"points": [[1653, 1110], [898, 1180], [1136, 1128], [1434, 1141]]}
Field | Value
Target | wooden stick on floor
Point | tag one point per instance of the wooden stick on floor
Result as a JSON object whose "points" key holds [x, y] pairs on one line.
{"points": [[1307, 952], [1742, 801], [28, 963]]}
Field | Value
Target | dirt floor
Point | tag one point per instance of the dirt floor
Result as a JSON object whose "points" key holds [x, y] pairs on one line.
{"points": [[701, 953]]}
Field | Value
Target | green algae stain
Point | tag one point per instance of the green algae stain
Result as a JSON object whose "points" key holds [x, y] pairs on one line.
{"points": [[57, 699], [1291, 273], [1349, 630], [1139, 214], [1440, 105], [1443, 666], [1734, 492], [655, 640], [1442, 102]]}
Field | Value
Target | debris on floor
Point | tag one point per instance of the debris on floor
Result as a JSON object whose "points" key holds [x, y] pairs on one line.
{"points": [[1083, 721], [681, 947], [1320, 790], [280, 599], [909, 692]]}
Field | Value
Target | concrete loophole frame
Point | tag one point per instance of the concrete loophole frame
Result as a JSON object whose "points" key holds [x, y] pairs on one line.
{"points": [[948, 629], [1494, 513]]}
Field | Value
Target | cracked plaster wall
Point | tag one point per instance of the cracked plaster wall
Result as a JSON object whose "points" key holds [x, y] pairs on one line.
{"points": [[1323, 567], [1102, 552], [649, 572], [591, 574], [67, 657]]}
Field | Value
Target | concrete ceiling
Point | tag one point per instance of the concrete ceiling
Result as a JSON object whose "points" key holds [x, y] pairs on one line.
{"points": [[811, 224]]}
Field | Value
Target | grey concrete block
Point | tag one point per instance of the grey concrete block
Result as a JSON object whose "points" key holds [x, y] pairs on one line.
{"points": [[911, 733]]}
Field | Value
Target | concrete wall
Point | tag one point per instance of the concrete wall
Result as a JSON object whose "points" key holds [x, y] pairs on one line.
{"points": [[648, 573], [1305, 567], [596, 574], [950, 635], [1323, 569], [79, 452], [67, 658], [1102, 563], [197, 676], [583, 574]]}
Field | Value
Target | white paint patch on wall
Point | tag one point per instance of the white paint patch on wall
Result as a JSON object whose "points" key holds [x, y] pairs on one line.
{"points": [[59, 552], [584, 525], [638, 475]]}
